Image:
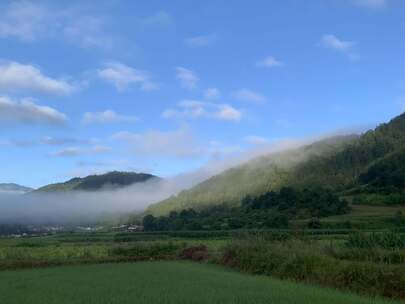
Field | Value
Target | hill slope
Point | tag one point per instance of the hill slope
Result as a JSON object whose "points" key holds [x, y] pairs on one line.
{"points": [[335, 163], [96, 182], [253, 178]]}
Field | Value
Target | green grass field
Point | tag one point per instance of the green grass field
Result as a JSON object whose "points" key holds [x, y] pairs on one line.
{"points": [[158, 282]]}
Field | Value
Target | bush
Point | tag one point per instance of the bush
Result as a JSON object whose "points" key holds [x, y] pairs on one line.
{"points": [[385, 240], [146, 250], [302, 261], [195, 253]]}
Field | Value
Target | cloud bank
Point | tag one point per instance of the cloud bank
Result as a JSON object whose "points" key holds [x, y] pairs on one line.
{"points": [[122, 77], [107, 116], [192, 109], [27, 112], [188, 79], [18, 77]]}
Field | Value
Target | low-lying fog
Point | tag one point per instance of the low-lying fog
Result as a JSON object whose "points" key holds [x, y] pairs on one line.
{"points": [[69, 206]]}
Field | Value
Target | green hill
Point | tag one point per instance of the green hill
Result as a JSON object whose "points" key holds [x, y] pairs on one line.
{"points": [[109, 180], [335, 163]]}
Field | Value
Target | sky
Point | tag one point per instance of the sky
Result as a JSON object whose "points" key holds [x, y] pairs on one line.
{"points": [[166, 87]]}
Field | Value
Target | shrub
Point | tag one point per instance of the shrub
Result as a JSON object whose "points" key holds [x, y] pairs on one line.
{"points": [[195, 253], [303, 261], [386, 240], [147, 250]]}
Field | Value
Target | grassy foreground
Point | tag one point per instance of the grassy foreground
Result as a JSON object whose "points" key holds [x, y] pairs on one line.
{"points": [[158, 282]]}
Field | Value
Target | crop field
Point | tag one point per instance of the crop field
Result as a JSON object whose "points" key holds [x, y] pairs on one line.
{"points": [[67, 267], [158, 282], [103, 247]]}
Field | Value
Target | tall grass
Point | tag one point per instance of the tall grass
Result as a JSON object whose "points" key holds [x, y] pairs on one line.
{"points": [[385, 240], [305, 261]]}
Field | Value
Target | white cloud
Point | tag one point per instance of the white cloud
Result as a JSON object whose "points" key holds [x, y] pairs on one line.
{"points": [[56, 141], [23, 19], [76, 151], [256, 140], [99, 149], [371, 4], [212, 93], [192, 109], [123, 76], [177, 143], [46, 140], [333, 42], [158, 19], [88, 31], [107, 116], [33, 20], [249, 95], [269, 62], [188, 109], [15, 76], [200, 41], [227, 112], [67, 152], [187, 78], [27, 112]]}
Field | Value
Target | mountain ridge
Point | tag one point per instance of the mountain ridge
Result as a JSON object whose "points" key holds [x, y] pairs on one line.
{"points": [[109, 180], [334, 163]]}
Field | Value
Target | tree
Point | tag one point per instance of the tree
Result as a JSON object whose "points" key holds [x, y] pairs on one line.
{"points": [[149, 223], [399, 218], [314, 223]]}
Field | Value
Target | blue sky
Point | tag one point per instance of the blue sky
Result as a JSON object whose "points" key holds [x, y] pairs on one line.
{"points": [[164, 87]]}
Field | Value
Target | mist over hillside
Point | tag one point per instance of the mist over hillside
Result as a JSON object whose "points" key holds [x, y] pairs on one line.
{"points": [[12, 188], [262, 171], [90, 198], [335, 163]]}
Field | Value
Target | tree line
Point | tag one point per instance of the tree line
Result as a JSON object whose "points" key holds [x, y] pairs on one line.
{"points": [[270, 210]]}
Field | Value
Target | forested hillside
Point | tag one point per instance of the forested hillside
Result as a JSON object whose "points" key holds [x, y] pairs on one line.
{"points": [[263, 174], [338, 164]]}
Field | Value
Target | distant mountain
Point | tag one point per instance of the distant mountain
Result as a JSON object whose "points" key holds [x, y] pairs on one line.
{"points": [[110, 180], [14, 188], [344, 164]]}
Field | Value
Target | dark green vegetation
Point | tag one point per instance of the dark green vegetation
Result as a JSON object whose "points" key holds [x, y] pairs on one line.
{"points": [[11, 187], [367, 169], [96, 182], [158, 282], [99, 247], [369, 264], [270, 210]]}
